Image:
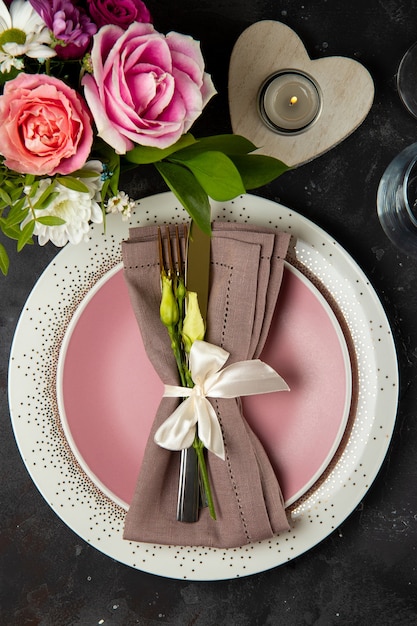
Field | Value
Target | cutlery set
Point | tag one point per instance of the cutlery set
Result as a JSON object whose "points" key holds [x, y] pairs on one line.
{"points": [[196, 276]]}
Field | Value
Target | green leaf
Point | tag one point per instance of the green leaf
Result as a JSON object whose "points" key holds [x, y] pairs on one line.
{"points": [[188, 191], [29, 180], [228, 144], [4, 260], [85, 173], [108, 156], [142, 155], [33, 188], [114, 183], [45, 198], [12, 232], [216, 173], [5, 197], [13, 190], [8, 76], [17, 214], [47, 201], [257, 170], [72, 183], [25, 235], [50, 220]]}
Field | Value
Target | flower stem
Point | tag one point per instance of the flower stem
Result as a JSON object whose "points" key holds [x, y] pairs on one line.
{"points": [[178, 356], [199, 448]]}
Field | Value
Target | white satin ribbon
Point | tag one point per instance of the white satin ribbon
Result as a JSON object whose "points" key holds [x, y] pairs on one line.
{"points": [[245, 378]]}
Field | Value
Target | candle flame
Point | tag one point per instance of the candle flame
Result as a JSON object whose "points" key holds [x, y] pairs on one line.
{"points": [[293, 101]]}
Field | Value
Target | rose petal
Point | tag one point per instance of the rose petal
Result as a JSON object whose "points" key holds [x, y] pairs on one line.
{"points": [[187, 46], [106, 130]]}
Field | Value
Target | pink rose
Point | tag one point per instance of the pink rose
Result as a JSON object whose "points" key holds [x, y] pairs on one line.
{"points": [[46, 126], [120, 12], [145, 88]]}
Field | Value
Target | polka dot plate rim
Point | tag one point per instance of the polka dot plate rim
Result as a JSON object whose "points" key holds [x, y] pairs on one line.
{"points": [[89, 512]]}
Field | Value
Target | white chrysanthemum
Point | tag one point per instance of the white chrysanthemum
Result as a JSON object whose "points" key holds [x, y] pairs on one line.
{"points": [[22, 32], [121, 204], [77, 208]]}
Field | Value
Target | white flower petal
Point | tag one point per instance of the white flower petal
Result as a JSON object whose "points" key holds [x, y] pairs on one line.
{"points": [[5, 18]]}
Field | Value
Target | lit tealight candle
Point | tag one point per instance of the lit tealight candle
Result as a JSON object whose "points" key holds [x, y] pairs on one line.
{"points": [[289, 102]]}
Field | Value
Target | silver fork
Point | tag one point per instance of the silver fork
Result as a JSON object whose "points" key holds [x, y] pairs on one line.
{"points": [[188, 501]]}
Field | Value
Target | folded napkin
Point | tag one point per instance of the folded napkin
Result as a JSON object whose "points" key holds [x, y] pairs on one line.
{"points": [[245, 278]]}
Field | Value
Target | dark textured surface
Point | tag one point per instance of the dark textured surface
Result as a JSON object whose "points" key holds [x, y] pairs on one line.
{"points": [[365, 572]]}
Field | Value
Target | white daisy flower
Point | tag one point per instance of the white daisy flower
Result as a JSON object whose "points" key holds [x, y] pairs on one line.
{"points": [[77, 208], [121, 204], [22, 32]]}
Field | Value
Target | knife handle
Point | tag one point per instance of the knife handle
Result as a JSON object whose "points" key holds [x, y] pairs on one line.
{"points": [[189, 487]]}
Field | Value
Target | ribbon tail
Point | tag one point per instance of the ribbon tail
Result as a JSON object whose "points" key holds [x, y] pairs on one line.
{"points": [[209, 430], [245, 378], [178, 430]]}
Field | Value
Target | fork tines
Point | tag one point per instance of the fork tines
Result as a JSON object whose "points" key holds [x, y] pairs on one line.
{"points": [[172, 264]]}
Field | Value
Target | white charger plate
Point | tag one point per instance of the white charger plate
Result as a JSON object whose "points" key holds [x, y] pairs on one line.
{"points": [[97, 518]]}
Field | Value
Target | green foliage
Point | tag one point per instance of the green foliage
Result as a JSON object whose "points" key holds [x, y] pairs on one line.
{"points": [[21, 204], [220, 167], [4, 260], [72, 183], [19, 207], [112, 166], [215, 172], [228, 144], [258, 170], [143, 155], [188, 191]]}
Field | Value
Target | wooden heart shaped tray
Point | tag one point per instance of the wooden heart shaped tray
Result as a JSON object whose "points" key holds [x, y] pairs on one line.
{"points": [[346, 89]]}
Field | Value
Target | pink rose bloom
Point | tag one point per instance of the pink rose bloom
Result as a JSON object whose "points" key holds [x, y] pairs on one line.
{"points": [[145, 88], [120, 12], [46, 127]]}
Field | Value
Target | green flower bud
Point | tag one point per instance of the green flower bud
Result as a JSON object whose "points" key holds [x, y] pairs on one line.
{"points": [[193, 328], [181, 290], [169, 307]]}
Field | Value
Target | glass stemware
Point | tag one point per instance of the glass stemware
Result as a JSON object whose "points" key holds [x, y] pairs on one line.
{"points": [[397, 200], [407, 80], [397, 191]]}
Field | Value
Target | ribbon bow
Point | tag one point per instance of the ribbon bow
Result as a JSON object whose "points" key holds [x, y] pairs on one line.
{"points": [[244, 378]]}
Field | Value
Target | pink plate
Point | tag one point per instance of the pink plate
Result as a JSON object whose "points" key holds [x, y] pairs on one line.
{"points": [[108, 392]]}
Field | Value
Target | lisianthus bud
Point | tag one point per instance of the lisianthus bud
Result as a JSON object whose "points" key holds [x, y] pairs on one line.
{"points": [[181, 291], [169, 307], [193, 328]]}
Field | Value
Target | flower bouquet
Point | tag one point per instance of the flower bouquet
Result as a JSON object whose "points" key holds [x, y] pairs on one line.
{"points": [[88, 89]]}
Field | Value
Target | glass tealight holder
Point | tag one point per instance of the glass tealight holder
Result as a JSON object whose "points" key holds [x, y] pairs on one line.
{"points": [[397, 200]]}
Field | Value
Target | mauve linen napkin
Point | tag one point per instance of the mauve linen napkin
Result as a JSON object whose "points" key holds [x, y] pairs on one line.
{"points": [[245, 278]]}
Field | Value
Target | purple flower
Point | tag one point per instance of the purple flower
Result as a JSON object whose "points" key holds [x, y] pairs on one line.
{"points": [[69, 24], [119, 12]]}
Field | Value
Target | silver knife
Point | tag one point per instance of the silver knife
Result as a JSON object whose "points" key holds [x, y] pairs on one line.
{"points": [[197, 278]]}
